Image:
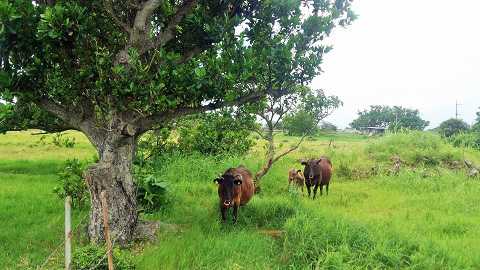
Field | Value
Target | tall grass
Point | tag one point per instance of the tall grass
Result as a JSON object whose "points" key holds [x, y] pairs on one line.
{"points": [[426, 217]]}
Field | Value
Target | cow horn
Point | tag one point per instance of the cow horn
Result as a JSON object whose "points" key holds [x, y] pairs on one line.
{"points": [[239, 177]]}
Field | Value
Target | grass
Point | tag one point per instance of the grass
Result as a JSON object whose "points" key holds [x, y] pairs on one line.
{"points": [[427, 217]]}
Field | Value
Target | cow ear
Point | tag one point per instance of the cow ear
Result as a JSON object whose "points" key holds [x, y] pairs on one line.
{"points": [[238, 179], [318, 161], [299, 171], [303, 162], [218, 180]]}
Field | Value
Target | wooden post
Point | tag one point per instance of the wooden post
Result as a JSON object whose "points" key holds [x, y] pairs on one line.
{"points": [[106, 231], [68, 233]]}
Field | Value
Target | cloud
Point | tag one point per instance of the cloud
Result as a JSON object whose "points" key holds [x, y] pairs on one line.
{"points": [[417, 54]]}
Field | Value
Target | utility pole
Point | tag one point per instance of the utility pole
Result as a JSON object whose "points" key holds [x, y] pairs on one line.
{"points": [[456, 109]]}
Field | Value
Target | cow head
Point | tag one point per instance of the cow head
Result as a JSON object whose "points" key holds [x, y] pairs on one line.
{"points": [[311, 166], [226, 185]]}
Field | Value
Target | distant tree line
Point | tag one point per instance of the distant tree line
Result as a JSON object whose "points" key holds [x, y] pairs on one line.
{"points": [[392, 118]]}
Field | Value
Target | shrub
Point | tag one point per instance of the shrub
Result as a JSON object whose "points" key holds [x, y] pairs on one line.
{"points": [[414, 148], [71, 183], [219, 133], [216, 133], [151, 192], [154, 143], [59, 141], [93, 257]]}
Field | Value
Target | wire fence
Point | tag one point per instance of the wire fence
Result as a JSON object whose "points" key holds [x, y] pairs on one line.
{"points": [[62, 243]]}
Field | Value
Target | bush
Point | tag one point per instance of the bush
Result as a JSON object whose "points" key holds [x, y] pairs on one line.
{"points": [[151, 192], [93, 257], [415, 148], [59, 141], [154, 143], [452, 126], [216, 133], [71, 183]]}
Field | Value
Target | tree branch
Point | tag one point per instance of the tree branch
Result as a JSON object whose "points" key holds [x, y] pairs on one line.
{"points": [[260, 133], [189, 55], [168, 33], [54, 108], [108, 7], [148, 122], [139, 30], [293, 148]]}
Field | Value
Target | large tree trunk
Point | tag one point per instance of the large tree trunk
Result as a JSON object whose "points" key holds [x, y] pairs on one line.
{"points": [[113, 174]]}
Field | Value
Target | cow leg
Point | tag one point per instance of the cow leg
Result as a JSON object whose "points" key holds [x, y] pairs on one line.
{"points": [[235, 213], [223, 210], [321, 190], [308, 190], [315, 191], [327, 188]]}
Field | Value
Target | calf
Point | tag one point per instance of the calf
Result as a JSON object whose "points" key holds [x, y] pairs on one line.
{"points": [[317, 173], [235, 188], [296, 176]]}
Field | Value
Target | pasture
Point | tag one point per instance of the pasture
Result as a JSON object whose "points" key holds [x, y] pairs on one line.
{"points": [[426, 217]]}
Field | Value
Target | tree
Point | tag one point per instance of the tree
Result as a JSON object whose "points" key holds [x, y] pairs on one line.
{"points": [[392, 118], [327, 126], [452, 127], [299, 123], [476, 125], [314, 105], [116, 69]]}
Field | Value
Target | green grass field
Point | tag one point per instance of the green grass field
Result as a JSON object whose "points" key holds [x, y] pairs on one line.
{"points": [[427, 217]]}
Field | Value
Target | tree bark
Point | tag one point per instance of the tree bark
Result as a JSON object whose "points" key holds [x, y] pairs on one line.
{"points": [[113, 174]]}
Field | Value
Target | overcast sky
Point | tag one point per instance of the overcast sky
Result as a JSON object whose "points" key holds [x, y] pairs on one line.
{"points": [[420, 54]]}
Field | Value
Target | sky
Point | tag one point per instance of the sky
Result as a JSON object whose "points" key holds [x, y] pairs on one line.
{"points": [[419, 54]]}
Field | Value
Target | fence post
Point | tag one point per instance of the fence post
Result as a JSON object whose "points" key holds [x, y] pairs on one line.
{"points": [[68, 233], [107, 229]]}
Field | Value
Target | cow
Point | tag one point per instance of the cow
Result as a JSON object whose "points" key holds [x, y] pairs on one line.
{"points": [[317, 173], [296, 176], [235, 188]]}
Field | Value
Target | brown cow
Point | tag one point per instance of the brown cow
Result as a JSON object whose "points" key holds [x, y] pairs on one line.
{"points": [[235, 188], [296, 176], [317, 173]]}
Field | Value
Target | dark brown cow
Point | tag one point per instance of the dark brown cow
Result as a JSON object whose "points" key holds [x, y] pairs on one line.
{"points": [[235, 188], [317, 173], [296, 176]]}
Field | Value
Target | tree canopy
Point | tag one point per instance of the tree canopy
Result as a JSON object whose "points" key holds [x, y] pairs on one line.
{"points": [[452, 126], [311, 105], [313, 108], [395, 117], [476, 125], [116, 69]]}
